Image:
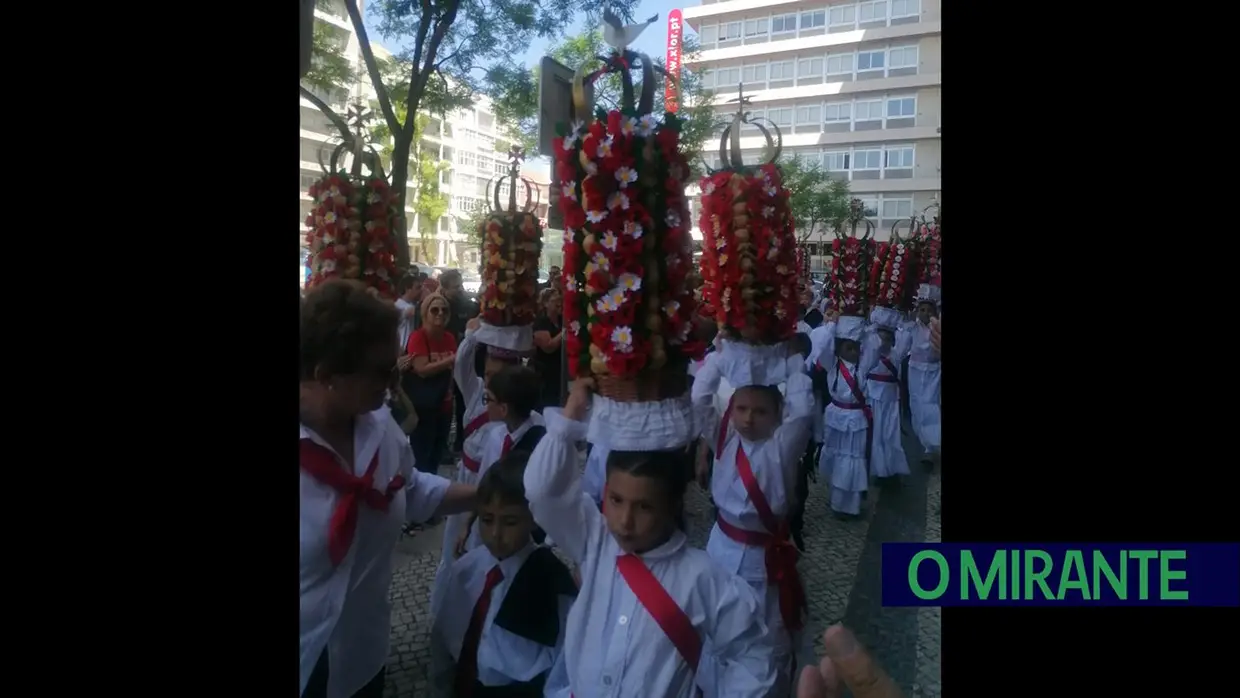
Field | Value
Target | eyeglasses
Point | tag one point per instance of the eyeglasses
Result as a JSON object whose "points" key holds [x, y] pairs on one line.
{"points": [[438, 311]]}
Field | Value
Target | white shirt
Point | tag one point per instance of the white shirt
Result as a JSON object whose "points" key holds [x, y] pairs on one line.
{"points": [[503, 658], [473, 390], [492, 451], [345, 608], [405, 328], [614, 647]]}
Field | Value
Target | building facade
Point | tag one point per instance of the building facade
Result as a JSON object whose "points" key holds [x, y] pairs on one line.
{"points": [[468, 140], [853, 86]]}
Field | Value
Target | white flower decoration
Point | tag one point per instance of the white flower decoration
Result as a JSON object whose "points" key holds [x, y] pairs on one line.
{"points": [[610, 241], [622, 338], [604, 147], [628, 125], [626, 176], [768, 211], [570, 190], [646, 125], [618, 200], [596, 216], [672, 218], [633, 229], [629, 282], [671, 307]]}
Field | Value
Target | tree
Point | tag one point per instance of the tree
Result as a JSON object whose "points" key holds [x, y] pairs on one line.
{"points": [[818, 201], [517, 105], [453, 49]]}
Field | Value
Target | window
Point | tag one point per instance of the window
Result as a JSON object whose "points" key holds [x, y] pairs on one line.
{"points": [[730, 31], [901, 107], [840, 64], [486, 121], [708, 78], [869, 110], [811, 114], [754, 73], [486, 164], [782, 70], [869, 206], [904, 8], [867, 159], [840, 112], [754, 115], [897, 208], [873, 11], [781, 116], [870, 60], [709, 34], [843, 15], [899, 156], [756, 27], [813, 19], [501, 168], [904, 57], [835, 161], [446, 177], [809, 68], [726, 77], [782, 24], [466, 158], [445, 225]]}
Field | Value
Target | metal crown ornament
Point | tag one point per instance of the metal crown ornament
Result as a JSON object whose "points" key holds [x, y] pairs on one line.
{"points": [[512, 244], [749, 249]]}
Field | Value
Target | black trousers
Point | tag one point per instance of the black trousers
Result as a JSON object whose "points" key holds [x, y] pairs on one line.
{"points": [[317, 686], [528, 689], [796, 519], [427, 439]]}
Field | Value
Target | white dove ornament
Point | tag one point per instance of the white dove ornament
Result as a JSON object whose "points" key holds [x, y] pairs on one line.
{"points": [[619, 35]]}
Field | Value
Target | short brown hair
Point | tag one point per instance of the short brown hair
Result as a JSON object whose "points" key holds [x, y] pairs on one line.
{"points": [[340, 321]]}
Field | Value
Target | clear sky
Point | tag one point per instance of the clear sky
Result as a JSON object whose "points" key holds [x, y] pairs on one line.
{"points": [[653, 41]]}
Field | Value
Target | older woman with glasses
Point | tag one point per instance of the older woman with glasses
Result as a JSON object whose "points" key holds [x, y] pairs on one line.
{"points": [[428, 381], [358, 485]]}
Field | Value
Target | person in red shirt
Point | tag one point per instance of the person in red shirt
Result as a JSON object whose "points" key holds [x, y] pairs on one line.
{"points": [[429, 379]]}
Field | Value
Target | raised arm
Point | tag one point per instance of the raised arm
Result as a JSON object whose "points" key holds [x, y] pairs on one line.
{"points": [[463, 373], [822, 344], [553, 484], [792, 435], [903, 345], [705, 386]]}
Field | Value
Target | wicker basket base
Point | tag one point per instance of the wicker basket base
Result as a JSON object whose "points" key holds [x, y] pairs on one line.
{"points": [[647, 387]]}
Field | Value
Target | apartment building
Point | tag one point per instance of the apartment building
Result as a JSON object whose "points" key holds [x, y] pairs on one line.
{"points": [[853, 86], [468, 139]]}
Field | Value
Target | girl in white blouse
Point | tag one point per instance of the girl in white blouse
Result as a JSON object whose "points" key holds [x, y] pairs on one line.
{"points": [[648, 600], [358, 486]]}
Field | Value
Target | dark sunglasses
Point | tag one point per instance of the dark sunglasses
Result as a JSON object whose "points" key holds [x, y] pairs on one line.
{"points": [[438, 311]]}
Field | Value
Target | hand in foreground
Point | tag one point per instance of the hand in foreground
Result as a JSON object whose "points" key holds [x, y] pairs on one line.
{"points": [[847, 664], [935, 329], [404, 362], [578, 399], [474, 323]]}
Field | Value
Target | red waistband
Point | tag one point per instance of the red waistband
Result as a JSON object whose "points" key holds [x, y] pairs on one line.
{"points": [[470, 464], [742, 535], [848, 405]]}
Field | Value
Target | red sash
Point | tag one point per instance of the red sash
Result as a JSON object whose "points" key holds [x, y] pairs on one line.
{"points": [[321, 464], [781, 554], [861, 405], [474, 425], [662, 607]]}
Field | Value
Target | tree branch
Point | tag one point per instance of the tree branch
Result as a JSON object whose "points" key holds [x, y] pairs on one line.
{"points": [[422, 72], [372, 66], [340, 124]]}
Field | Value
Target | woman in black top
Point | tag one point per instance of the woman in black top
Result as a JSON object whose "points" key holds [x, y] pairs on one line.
{"points": [[548, 346]]}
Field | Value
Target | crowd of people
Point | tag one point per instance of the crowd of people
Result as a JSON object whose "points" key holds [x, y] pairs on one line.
{"points": [[509, 617]]}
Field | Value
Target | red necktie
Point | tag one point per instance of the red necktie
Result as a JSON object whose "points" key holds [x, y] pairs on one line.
{"points": [[467, 662], [507, 445], [321, 464]]}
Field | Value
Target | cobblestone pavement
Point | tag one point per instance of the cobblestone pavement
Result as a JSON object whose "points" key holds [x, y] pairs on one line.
{"points": [[840, 569]]}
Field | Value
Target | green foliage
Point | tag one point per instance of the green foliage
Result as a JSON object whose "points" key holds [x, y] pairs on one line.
{"points": [[816, 198], [330, 69], [515, 93]]}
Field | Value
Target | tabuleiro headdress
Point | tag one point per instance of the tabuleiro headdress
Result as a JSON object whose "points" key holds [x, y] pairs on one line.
{"points": [[852, 253], [627, 256], [351, 224], [929, 243], [750, 246], [512, 244]]}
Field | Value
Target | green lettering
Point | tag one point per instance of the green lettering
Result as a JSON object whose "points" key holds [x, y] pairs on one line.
{"points": [[1038, 577], [1144, 556], [1166, 575], [1102, 568], [944, 575], [1015, 595], [1073, 562], [970, 575]]}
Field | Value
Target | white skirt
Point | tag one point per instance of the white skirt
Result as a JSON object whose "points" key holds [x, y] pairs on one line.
{"points": [[923, 399], [887, 453], [842, 464]]}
